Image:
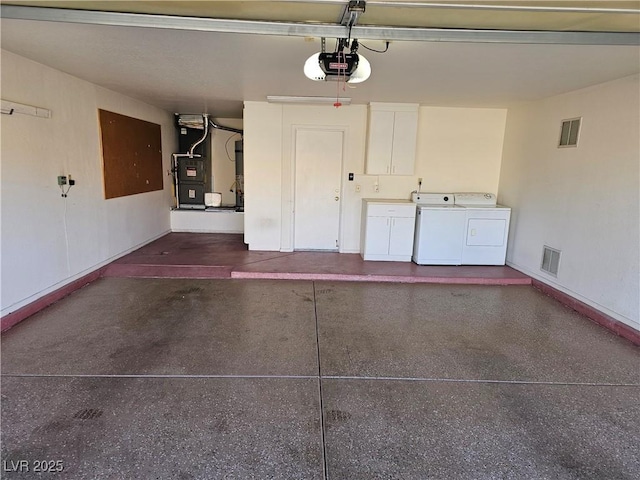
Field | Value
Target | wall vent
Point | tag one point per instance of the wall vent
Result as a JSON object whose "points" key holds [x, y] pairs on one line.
{"points": [[550, 260], [569, 132]]}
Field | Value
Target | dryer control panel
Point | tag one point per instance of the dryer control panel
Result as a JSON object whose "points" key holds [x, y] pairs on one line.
{"points": [[479, 199]]}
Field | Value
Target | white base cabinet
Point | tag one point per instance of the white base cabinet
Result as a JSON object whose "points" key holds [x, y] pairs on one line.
{"points": [[387, 230]]}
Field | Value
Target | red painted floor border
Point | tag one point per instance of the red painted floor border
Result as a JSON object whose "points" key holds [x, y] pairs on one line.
{"points": [[592, 313], [16, 317]]}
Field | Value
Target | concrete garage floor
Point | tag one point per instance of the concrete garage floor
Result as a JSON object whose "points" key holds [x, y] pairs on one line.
{"points": [[187, 378]]}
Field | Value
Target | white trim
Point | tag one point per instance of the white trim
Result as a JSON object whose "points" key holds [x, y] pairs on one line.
{"points": [[10, 108]]}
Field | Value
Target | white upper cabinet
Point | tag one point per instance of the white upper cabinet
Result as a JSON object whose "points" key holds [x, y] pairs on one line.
{"points": [[391, 138]]}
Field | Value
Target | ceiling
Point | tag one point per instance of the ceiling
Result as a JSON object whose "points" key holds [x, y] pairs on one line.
{"points": [[188, 71]]}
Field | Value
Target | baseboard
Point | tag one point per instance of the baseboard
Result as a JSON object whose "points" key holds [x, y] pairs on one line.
{"points": [[202, 230], [43, 302], [13, 318]]}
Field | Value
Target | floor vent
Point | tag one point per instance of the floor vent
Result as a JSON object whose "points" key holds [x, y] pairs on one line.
{"points": [[569, 132], [550, 260], [88, 414], [338, 416]]}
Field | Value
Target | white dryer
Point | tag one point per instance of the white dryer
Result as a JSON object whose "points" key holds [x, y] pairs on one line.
{"points": [[486, 229], [439, 229]]}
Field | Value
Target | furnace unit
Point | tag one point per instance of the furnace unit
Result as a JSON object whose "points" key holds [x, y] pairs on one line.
{"points": [[193, 169], [239, 176]]}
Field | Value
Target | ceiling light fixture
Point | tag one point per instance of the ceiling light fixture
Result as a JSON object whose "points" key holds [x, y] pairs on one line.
{"points": [[306, 100]]}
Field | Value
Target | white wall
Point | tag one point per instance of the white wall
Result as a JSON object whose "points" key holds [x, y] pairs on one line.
{"points": [[262, 175], [207, 221], [48, 241], [583, 201], [459, 149], [223, 144]]}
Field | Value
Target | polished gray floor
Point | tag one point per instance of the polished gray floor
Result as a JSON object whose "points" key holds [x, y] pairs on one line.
{"points": [[161, 378]]}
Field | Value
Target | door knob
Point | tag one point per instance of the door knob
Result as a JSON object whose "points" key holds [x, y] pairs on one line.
{"points": [[337, 198]]}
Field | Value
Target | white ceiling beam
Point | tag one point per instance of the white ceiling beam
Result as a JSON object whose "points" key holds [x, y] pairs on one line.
{"points": [[316, 30], [477, 6], [505, 8]]}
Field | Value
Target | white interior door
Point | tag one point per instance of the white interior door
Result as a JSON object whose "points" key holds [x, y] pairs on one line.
{"points": [[318, 169]]}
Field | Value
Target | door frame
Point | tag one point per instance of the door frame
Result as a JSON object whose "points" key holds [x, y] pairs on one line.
{"points": [[289, 204]]}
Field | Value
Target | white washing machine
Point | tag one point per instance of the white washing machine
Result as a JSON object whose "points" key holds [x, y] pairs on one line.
{"points": [[486, 229], [439, 229]]}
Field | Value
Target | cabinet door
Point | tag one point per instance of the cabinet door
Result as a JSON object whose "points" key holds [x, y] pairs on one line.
{"points": [[405, 134], [401, 236], [377, 236], [380, 143]]}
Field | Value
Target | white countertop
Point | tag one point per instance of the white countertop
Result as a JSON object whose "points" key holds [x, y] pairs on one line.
{"points": [[388, 200]]}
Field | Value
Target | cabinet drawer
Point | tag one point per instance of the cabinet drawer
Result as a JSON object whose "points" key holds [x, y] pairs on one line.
{"points": [[391, 210]]}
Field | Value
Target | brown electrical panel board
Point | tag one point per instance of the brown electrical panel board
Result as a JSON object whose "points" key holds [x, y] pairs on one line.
{"points": [[131, 155]]}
